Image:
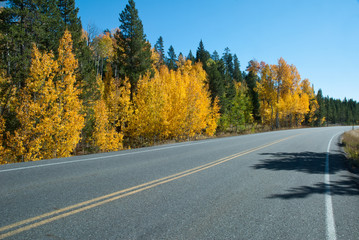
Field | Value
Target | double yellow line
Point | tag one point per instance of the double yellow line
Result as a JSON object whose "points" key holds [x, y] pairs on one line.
{"points": [[45, 218]]}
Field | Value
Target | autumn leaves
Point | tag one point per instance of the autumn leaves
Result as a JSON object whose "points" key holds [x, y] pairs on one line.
{"points": [[48, 109], [285, 99], [51, 115], [119, 93], [174, 104], [167, 105]]}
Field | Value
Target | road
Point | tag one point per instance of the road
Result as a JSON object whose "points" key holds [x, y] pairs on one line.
{"points": [[288, 184]]}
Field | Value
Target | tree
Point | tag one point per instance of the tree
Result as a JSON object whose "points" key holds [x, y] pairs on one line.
{"points": [[251, 81], [159, 47], [49, 107], [228, 63], [109, 113], [172, 59], [191, 57], [241, 111], [102, 47], [174, 104], [215, 81], [202, 55], [133, 51], [283, 95], [215, 56], [321, 112], [72, 121], [237, 75], [71, 21]]}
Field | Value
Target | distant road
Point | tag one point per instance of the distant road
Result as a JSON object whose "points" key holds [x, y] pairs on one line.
{"points": [[289, 184]]}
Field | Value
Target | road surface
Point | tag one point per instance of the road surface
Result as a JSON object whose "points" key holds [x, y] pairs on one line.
{"points": [[288, 184]]}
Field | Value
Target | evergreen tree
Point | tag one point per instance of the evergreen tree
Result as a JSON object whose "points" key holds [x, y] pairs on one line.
{"points": [[215, 81], [228, 61], [202, 55], [215, 56], [70, 20], [321, 112], [133, 51], [47, 25], [171, 59], [191, 57], [251, 81], [237, 75], [160, 49], [17, 31], [228, 77]]}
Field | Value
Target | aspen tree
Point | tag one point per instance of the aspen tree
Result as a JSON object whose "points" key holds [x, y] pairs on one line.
{"points": [[72, 121], [37, 111]]}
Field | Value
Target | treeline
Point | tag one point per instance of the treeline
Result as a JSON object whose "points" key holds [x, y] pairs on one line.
{"points": [[336, 111], [65, 91]]}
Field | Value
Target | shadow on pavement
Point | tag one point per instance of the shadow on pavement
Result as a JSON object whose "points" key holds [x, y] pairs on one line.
{"points": [[311, 163]]}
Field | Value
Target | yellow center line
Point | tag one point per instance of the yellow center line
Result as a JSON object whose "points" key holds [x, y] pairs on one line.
{"points": [[79, 207]]}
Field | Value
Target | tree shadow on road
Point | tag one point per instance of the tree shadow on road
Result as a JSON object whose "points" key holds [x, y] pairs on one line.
{"points": [[346, 186], [311, 163]]}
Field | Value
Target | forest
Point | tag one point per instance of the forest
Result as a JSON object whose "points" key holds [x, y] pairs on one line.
{"points": [[65, 91]]}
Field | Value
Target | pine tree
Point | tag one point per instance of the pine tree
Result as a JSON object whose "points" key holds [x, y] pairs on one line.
{"points": [[228, 61], [17, 30], [160, 49], [230, 90], [71, 21], [171, 59], [133, 52], [215, 56], [215, 81], [251, 81], [237, 75], [202, 55], [191, 57], [321, 112]]}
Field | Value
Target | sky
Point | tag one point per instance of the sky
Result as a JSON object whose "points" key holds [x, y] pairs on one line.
{"points": [[320, 37]]}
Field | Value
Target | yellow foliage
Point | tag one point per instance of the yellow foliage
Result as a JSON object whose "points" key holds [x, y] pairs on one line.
{"points": [[103, 46], [112, 112], [49, 108], [105, 135], [71, 120], [283, 95], [174, 104]]}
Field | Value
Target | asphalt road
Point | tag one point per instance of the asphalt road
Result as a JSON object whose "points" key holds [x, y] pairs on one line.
{"points": [[289, 184]]}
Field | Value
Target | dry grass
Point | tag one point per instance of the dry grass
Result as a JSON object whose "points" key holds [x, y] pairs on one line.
{"points": [[351, 146]]}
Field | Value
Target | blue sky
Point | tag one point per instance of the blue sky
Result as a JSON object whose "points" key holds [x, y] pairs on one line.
{"points": [[320, 37]]}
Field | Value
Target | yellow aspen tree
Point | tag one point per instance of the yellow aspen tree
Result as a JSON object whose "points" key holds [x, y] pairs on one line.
{"points": [[174, 104], [313, 103], [147, 120], [267, 95], [111, 113], [71, 119], [283, 95], [105, 136], [213, 117], [37, 111]]}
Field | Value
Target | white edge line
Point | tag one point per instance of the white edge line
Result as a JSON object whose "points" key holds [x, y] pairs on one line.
{"points": [[330, 223], [104, 157]]}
